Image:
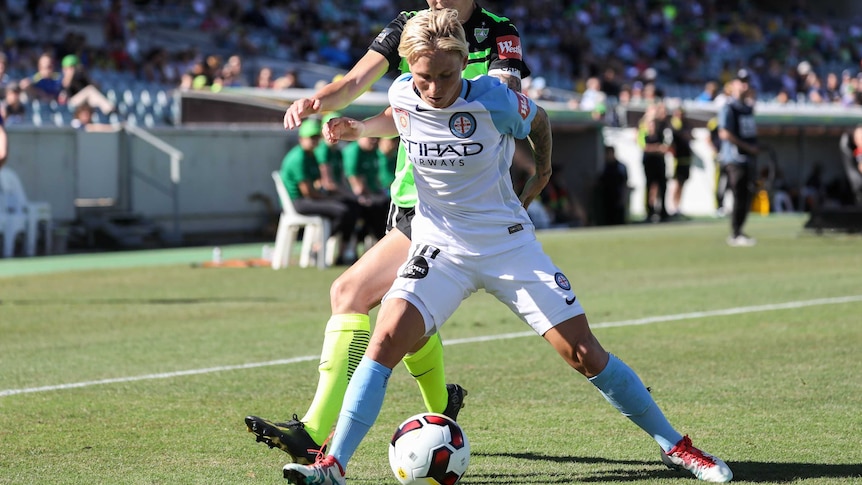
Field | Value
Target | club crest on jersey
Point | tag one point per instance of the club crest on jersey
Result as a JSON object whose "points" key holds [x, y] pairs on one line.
{"points": [[402, 118], [415, 269], [481, 34], [562, 281], [462, 124]]}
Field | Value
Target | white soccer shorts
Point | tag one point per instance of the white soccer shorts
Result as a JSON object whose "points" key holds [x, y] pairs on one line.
{"points": [[524, 278]]}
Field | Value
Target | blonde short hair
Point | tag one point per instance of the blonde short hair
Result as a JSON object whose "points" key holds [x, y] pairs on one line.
{"points": [[432, 30]]}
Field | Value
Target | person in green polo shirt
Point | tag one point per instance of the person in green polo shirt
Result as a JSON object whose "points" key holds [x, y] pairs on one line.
{"points": [[360, 168], [300, 174], [331, 164]]}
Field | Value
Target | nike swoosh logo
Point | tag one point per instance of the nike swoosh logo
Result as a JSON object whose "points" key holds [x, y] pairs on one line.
{"points": [[421, 109], [420, 375], [569, 302]]}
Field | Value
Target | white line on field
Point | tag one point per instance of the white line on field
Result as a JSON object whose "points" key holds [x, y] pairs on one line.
{"points": [[487, 338]]}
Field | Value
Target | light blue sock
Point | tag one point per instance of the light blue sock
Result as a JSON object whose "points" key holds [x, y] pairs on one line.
{"points": [[362, 402], [619, 384]]}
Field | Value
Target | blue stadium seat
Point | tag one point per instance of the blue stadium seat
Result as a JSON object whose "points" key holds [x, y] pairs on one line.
{"points": [[128, 98], [162, 98], [145, 98]]}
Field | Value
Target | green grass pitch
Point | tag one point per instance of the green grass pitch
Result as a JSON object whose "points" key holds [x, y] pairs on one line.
{"points": [[137, 368]]}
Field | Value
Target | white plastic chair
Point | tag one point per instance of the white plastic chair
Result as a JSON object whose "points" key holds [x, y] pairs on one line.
{"points": [[19, 210], [13, 222], [316, 233]]}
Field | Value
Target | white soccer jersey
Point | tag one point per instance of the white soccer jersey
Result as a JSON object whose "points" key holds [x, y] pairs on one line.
{"points": [[461, 157]]}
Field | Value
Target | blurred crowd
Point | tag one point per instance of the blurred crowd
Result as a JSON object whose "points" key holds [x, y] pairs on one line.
{"points": [[585, 52]]}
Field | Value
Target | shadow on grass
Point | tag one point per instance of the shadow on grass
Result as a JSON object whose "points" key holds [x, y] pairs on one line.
{"points": [[638, 470], [139, 301], [753, 471]]}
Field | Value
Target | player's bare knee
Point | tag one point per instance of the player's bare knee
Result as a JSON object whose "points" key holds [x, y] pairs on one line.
{"points": [[583, 353], [418, 346], [345, 295], [386, 351]]}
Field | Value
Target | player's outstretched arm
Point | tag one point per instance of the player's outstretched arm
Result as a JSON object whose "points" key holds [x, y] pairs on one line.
{"points": [[343, 128], [336, 95], [541, 142]]}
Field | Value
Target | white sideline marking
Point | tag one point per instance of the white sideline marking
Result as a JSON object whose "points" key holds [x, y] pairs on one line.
{"points": [[164, 375], [487, 338]]}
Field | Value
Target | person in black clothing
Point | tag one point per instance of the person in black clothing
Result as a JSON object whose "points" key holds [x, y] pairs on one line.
{"points": [[682, 153], [720, 172], [613, 189], [856, 144], [655, 147], [78, 88], [738, 154]]}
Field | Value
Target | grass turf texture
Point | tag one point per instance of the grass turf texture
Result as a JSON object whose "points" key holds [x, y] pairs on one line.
{"points": [[775, 393]]}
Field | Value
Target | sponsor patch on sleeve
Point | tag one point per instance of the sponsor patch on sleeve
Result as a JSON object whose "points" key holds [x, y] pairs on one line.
{"points": [[509, 47], [523, 105], [382, 35]]}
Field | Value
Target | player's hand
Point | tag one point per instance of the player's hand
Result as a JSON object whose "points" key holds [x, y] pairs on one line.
{"points": [[301, 108], [342, 129]]}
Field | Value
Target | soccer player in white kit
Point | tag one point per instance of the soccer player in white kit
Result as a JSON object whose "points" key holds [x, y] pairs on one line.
{"points": [[472, 231]]}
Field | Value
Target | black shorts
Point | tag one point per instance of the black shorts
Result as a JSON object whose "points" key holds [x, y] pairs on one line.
{"points": [[400, 218], [683, 170], [654, 169]]}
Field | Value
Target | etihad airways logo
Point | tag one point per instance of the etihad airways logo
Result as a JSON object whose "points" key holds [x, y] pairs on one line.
{"points": [[509, 47], [438, 150]]}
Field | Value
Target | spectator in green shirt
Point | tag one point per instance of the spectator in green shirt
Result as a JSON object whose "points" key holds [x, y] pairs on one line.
{"points": [[360, 167], [329, 160], [301, 174]]}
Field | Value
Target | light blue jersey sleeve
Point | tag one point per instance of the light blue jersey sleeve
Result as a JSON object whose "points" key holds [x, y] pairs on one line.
{"points": [[511, 112]]}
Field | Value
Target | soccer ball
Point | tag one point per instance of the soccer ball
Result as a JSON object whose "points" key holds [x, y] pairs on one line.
{"points": [[429, 449]]}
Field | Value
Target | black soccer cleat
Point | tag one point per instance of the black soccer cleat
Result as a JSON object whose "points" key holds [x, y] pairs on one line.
{"points": [[290, 437], [456, 400]]}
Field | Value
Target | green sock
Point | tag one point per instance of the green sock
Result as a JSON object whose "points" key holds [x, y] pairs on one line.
{"points": [[344, 345], [426, 366]]}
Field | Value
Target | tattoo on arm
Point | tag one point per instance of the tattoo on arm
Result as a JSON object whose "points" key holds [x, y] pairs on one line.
{"points": [[540, 140], [513, 82]]}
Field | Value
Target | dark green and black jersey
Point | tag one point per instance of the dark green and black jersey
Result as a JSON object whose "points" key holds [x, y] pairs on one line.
{"points": [[495, 49], [495, 45]]}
